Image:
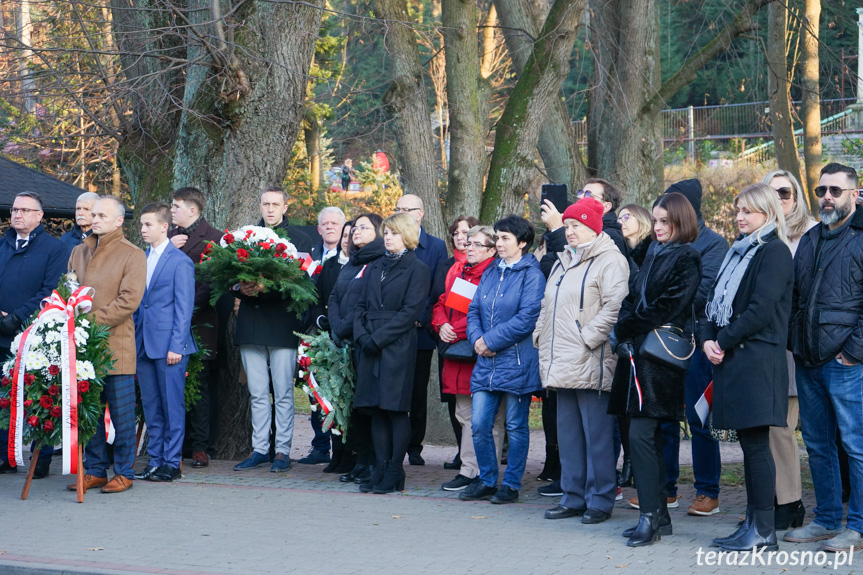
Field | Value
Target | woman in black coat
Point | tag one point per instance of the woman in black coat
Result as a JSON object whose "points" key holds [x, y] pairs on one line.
{"points": [[744, 331], [663, 294], [365, 246], [395, 294]]}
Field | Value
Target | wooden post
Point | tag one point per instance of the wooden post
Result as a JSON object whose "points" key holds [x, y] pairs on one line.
{"points": [[33, 461], [80, 480]]}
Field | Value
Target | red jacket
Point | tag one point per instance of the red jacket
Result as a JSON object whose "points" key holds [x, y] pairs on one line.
{"points": [[456, 374]]}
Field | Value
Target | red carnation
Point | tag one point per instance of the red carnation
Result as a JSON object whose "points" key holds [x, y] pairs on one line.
{"points": [[4, 403], [266, 245], [83, 386], [305, 361], [209, 248], [28, 402], [33, 421], [48, 426], [228, 239], [80, 398], [242, 255], [56, 411], [53, 390], [6, 381], [46, 402], [53, 369], [29, 378], [203, 259], [280, 248]]}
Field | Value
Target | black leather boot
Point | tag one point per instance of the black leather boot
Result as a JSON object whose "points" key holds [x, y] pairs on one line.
{"points": [[377, 476], [742, 528], [760, 534], [393, 479], [626, 473], [647, 530], [664, 523], [334, 463], [789, 515], [551, 465], [349, 477]]}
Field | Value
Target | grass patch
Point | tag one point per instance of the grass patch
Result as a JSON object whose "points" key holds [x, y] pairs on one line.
{"points": [[301, 402]]}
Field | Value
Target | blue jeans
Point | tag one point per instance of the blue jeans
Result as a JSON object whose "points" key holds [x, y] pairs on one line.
{"points": [[483, 412], [832, 396], [706, 464], [321, 440]]}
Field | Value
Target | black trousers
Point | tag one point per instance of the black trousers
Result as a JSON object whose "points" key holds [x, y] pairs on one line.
{"points": [[648, 463], [758, 467], [390, 433], [419, 400], [202, 416]]}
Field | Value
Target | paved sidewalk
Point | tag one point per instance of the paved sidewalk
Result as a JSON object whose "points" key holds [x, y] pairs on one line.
{"points": [[217, 521]]}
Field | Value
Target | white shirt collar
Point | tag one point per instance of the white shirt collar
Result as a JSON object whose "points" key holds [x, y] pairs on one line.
{"points": [[160, 249]]}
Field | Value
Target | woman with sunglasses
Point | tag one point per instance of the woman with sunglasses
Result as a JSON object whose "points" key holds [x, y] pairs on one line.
{"points": [[451, 327], [366, 246], [789, 510], [744, 332]]}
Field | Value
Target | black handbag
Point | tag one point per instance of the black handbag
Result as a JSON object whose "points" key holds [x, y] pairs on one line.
{"points": [[668, 346], [460, 350]]}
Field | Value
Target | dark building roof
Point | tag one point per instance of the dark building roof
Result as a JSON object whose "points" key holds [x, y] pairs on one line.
{"points": [[58, 197]]}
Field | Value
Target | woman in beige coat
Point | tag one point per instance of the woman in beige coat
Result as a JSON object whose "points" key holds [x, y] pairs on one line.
{"points": [[582, 298]]}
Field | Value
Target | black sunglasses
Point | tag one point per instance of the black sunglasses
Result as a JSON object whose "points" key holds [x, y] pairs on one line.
{"points": [[835, 191], [785, 193]]}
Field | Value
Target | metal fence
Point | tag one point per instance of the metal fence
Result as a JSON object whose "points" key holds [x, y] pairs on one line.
{"points": [[746, 123]]}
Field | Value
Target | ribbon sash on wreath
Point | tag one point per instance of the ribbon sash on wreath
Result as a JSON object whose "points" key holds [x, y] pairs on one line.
{"points": [[53, 307]]}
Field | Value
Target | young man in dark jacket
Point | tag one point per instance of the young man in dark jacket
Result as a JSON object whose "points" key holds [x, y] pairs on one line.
{"points": [[268, 346], [826, 338]]}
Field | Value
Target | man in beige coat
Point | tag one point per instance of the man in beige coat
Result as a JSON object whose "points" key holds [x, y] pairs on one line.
{"points": [[117, 271]]}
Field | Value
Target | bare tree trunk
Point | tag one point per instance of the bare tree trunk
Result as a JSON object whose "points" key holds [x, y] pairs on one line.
{"points": [[468, 96], [625, 146], [240, 120], [28, 86], [234, 440], [811, 99], [312, 137], [535, 93], [406, 102], [778, 90], [556, 143]]}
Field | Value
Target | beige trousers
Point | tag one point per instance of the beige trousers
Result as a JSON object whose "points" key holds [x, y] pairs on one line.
{"points": [[469, 467], [786, 454]]}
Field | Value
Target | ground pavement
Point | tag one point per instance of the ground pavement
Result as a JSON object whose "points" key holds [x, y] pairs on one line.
{"points": [[217, 521]]}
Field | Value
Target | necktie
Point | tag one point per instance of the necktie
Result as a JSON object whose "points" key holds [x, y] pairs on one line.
{"points": [[21, 243]]}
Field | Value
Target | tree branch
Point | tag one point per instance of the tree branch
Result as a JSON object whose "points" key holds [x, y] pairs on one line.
{"points": [[741, 23]]}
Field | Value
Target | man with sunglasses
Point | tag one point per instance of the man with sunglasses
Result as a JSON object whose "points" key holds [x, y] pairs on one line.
{"points": [[826, 338], [555, 240]]}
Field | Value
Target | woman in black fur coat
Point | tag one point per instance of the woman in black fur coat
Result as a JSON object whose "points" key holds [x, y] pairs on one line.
{"points": [[662, 294]]}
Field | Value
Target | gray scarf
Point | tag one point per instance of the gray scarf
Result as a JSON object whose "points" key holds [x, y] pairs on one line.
{"points": [[731, 273]]}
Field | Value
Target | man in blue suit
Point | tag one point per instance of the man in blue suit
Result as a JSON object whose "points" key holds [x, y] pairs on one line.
{"points": [[163, 336]]}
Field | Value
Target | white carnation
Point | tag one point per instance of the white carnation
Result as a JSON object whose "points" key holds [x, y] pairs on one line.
{"points": [[36, 360], [85, 370]]}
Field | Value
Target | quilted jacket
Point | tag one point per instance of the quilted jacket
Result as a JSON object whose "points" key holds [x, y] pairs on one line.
{"points": [[827, 305]]}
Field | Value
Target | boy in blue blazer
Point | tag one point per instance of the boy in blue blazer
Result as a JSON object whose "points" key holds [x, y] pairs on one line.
{"points": [[163, 335]]}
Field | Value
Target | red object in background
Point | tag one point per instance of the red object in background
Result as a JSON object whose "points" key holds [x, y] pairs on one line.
{"points": [[381, 162]]}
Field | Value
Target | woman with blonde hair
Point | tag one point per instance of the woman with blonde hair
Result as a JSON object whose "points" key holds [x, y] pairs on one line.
{"points": [[743, 332], [636, 223], [395, 294], [783, 444]]}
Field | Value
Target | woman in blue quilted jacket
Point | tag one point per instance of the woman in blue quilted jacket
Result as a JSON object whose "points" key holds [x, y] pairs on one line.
{"points": [[500, 323]]}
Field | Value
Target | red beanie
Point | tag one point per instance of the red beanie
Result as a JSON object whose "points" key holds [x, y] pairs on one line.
{"points": [[588, 211]]}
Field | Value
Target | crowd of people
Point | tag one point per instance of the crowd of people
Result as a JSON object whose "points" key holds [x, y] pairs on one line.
{"points": [[624, 321]]}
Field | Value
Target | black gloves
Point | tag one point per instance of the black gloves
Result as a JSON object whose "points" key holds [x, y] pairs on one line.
{"points": [[369, 346], [624, 349], [9, 325], [323, 323]]}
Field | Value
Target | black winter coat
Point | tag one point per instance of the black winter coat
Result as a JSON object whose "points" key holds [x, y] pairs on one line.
{"points": [[750, 386], [386, 313], [264, 319], [639, 252], [712, 248], [325, 282], [348, 290], [671, 276], [827, 304]]}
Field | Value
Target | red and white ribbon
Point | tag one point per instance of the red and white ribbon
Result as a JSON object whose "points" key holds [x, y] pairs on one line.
{"points": [[326, 406], [110, 432], [637, 385], [53, 307]]}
